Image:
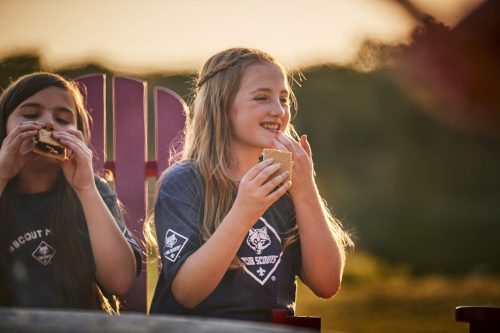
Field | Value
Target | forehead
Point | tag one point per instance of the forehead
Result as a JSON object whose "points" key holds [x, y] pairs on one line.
{"points": [[264, 75], [52, 97]]}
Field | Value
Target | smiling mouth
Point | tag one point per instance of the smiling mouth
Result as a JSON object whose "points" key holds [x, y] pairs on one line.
{"points": [[274, 127]]}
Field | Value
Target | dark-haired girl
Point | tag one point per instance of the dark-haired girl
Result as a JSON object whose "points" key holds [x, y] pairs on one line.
{"points": [[63, 242]]}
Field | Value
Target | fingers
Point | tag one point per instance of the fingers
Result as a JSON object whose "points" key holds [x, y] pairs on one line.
{"points": [[283, 142], [305, 144], [19, 141], [70, 135], [74, 141], [279, 145], [265, 173], [76, 133], [23, 131], [255, 170], [298, 149], [262, 175], [278, 180], [275, 195]]}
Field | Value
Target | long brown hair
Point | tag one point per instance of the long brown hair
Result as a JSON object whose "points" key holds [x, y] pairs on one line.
{"points": [[76, 285]]}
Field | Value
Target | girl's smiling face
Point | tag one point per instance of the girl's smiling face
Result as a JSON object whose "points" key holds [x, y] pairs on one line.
{"points": [[261, 108]]}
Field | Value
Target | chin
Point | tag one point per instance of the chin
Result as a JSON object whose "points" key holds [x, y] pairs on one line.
{"points": [[45, 160], [268, 144]]}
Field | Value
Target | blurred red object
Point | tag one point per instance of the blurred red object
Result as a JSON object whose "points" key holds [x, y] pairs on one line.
{"points": [[280, 317], [455, 74]]}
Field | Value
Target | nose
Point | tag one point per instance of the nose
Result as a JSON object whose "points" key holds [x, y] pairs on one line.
{"points": [[277, 109], [48, 120]]}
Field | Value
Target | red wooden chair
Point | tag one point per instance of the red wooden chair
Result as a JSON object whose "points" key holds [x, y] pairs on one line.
{"points": [[126, 152]]}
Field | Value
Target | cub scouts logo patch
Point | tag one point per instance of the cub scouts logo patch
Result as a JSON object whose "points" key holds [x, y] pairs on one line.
{"points": [[43, 253], [258, 239], [174, 242], [261, 253]]}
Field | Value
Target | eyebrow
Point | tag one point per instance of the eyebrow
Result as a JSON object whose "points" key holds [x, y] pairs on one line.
{"points": [[38, 105], [268, 90]]}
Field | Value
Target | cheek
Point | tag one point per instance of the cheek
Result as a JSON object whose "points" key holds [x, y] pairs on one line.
{"points": [[286, 119], [66, 127], [10, 125]]}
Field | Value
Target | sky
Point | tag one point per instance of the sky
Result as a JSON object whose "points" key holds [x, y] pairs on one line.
{"points": [[172, 36]]}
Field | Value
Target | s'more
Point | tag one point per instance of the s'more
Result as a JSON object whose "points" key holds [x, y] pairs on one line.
{"points": [[282, 157]]}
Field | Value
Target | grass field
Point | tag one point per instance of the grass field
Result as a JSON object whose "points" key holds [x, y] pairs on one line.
{"points": [[376, 297]]}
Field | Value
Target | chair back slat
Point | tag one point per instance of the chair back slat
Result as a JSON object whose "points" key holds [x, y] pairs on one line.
{"points": [[129, 114], [170, 115], [93, 88], [128, 148]]}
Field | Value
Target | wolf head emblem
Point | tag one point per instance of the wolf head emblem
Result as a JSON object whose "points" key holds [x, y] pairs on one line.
{"points": [[258, 239], [170, 240]]}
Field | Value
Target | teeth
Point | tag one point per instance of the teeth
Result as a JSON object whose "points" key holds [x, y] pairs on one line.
{"points": [[271, 126]]}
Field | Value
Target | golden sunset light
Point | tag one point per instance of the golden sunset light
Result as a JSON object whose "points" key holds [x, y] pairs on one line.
{"points": [[381, 119], [157, 35]]}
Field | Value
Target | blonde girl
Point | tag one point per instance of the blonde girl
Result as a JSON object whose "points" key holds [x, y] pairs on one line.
{"points": [[233, 236]]}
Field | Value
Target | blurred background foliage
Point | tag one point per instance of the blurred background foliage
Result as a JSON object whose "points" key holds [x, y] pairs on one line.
{"points": [[421, 197], [411, 189], [379, 296]]}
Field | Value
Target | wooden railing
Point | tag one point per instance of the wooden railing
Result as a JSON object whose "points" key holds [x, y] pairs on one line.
{"points": [[14, 320]]}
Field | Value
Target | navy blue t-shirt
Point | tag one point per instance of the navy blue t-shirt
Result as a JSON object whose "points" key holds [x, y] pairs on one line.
{"points": [[31, 251], [267, 278]]}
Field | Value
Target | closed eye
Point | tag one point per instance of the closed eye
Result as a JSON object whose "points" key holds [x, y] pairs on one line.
{"points": [[62, 121], [260, 98], [30, 115], [64, 116]]}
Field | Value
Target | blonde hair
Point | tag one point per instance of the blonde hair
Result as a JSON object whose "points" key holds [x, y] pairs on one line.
{"points": [[209, 135], [208, 138]]}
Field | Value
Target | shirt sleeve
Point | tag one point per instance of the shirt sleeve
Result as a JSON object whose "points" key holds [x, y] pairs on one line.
{"points": [[111, 201], [178, 215]]}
